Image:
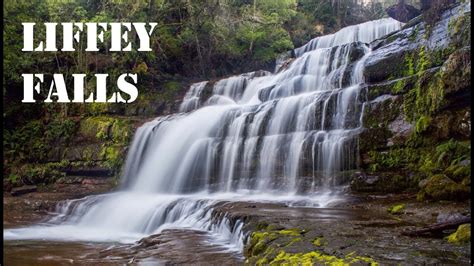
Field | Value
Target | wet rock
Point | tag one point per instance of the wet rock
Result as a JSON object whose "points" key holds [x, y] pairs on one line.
{"points": [[446, 217], [457, 70], [23, 190], [89, 181], [401, 130], [82, 153], [90, 172], [69, 180], [149, 241], [364, 183]]}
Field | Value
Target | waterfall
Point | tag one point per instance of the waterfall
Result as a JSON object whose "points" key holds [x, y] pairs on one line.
{"points": [[283, 136], [192, 97]]}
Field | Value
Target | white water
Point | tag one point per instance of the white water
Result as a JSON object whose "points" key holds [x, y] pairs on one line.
{"points": [[285, 137], [191, 99]]}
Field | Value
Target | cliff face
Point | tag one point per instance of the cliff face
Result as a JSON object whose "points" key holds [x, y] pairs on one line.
{"points": [[417, 120]]}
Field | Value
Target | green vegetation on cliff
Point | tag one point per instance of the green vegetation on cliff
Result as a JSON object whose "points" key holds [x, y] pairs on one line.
{"points": [[418, 139]]}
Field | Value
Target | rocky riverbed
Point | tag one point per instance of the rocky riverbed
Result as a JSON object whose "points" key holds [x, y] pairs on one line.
{"points": [[364, 228]]}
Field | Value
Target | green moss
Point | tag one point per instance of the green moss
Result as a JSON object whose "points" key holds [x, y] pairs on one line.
{"points": [[106, 129], [461, 236], [259, 241], [440, 187], [427, 96], [113, 156], [316, 257], [97, 109], [458, 172], [290, 232], [396, 209], [410, 65], [414, 33], [459, 30], [399, 86], [96, 127], [320, 242], [422, 124], [427, 166], [294, 240], [121, 131], [412, 164]]}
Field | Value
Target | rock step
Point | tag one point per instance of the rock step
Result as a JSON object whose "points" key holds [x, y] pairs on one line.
{"points": [[18, 191]]}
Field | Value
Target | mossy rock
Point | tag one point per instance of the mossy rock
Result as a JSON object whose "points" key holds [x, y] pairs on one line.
{"points": [[113, 156], [461, 236], [396, 209], [96, 127], [440, 187], [456, 71], [106, 129], [319, 258], [458, 172]]}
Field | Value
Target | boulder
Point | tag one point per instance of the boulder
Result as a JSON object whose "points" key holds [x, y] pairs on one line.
{"points": [[440, 187], [461, 236], [402, 12], [447, 217], [364, 183]]}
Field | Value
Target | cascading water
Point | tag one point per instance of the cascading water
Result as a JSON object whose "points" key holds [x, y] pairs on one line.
{"points": [[191, 99], [259, 136]]}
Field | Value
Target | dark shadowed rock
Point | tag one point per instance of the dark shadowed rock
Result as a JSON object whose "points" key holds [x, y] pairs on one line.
{"points": [[23, 190], [403, 12], [364, 183], [428, 4], [7, 185]]}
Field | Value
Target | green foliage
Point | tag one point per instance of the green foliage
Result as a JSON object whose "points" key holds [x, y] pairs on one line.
{"points": [[40, 173], [113, 156], [452, 152], [422, 124], [32, 141], [106, 129], [60, 130]]}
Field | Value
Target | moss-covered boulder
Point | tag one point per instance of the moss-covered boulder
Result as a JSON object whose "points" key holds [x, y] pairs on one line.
{"points": [[440, 187], [461, 236]]}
